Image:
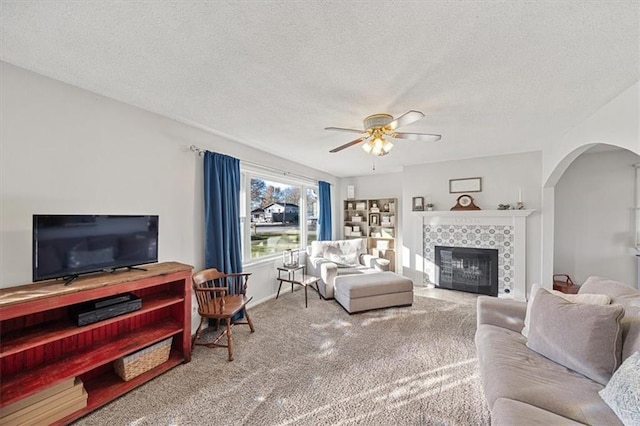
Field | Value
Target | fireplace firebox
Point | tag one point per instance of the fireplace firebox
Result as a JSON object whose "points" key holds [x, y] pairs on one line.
{"points": [[473, 270]]}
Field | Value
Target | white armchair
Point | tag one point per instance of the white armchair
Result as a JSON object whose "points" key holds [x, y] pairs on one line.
{"points": [[329, 259]]}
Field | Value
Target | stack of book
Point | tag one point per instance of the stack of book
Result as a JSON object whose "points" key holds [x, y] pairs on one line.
{"points": [[46, 406]]}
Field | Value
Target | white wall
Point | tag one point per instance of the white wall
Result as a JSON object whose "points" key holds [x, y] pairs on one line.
{"points": [[616, 123], [502, 177], [67, 150], [595, 217]]}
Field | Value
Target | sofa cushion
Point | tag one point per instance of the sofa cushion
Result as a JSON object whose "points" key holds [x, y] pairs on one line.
{"points": [[509, 412], [628, 297], [589, 299], [599, 285], [511, 370], [342, 252], [622, 393], [584, 338], [630, 326]]}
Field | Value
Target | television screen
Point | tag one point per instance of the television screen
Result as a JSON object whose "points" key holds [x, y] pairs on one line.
{"points": [[70, 245]]}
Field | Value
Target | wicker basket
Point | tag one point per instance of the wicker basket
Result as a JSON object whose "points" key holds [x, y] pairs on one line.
{"points": [[145, 359]]}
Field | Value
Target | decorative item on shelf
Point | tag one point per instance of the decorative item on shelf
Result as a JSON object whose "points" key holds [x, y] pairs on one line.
{"points": [[430, 207], [361, 206], [418, 204], [382, 245], [504, 206], [142, 361], [457, 186], [374, 219], [290, 258], [374, 208], [465, 202], [350, 206], [356, 218], [519, 204], [385, 207]]}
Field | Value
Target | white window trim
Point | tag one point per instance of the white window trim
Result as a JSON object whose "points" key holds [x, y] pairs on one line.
{"points": [[248, 172]]}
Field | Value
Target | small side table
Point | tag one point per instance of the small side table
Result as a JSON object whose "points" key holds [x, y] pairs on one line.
{"points": [[301, 279]]}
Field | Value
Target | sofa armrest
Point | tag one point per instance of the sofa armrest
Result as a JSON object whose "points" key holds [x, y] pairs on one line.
{"points": [[503, 313], [328, 273], [374, 262]]}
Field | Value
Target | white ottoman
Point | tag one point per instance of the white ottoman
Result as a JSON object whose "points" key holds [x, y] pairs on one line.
{"points": [[362, 292]]}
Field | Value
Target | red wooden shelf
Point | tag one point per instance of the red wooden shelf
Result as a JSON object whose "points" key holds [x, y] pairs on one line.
{"points": [[40, 346], [40, 335], [19, 386], [106, 387]]}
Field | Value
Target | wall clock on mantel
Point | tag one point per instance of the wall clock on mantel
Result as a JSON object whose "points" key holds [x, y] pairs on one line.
{"points": [[465, 202]]}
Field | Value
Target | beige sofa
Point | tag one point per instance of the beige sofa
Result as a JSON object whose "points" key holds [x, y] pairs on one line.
{"points": [[524, 387], [329, 259]]}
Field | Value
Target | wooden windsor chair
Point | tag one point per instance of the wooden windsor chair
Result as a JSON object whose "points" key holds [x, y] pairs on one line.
{"points": [[220, 297]]}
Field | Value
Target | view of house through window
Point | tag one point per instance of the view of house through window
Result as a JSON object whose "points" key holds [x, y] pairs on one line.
{"points": [[278, 213]]}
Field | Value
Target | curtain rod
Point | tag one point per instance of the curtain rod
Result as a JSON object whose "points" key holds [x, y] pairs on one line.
{"points": [[201, 152]]}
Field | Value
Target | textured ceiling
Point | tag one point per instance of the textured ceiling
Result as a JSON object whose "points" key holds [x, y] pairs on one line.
{"points": [[492, 77]]}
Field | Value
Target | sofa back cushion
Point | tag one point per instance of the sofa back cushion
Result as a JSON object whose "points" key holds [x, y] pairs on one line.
{"points": [[589, 299], [584, 338], [343, 252], [629, 298]]}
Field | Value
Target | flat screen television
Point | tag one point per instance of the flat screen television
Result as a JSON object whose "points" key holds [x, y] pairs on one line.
{"points": [[65, 246]]}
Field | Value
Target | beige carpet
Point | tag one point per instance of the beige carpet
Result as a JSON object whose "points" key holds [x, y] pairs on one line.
{"points": [[320, 366]]}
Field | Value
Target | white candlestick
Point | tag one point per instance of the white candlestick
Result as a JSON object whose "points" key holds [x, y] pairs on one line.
{"points": [[519, 195]]}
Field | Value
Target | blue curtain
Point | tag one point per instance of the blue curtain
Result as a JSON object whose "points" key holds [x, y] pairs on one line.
{"points": [[223, 249], [324, 218]]}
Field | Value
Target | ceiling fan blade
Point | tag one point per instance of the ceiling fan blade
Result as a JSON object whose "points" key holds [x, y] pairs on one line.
{"points": [[416, 136], [342, 129], [404, 119], [347, 145]]}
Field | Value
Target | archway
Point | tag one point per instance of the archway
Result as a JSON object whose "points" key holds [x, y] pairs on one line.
{"points": [[589, 212]]}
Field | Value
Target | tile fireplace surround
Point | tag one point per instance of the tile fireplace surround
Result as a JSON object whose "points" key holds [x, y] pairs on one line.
{"points": [[504, 230]]}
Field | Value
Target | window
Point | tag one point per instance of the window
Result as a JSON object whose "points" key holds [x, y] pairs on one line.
{"points": [[280, 214]]}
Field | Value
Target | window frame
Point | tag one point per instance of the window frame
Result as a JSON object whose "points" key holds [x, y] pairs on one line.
{"points": [[249, 172]]}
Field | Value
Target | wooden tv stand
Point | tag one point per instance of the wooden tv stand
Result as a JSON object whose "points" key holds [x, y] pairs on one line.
{"points": [[40, 345]]}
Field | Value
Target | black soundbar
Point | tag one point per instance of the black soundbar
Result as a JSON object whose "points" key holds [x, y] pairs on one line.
{"points": [[102, 309]]}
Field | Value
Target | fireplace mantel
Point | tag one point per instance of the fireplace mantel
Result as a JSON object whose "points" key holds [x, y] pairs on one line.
{"points": [[477, 213], [502, 229]]}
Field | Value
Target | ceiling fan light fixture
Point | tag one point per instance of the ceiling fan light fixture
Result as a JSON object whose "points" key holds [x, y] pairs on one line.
{"points": [[378, 127]]}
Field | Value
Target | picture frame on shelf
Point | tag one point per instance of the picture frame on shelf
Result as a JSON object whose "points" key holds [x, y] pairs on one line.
{"points": [[457, 186], [417, 204], [361, 206], [374, 219], [351, 192]]}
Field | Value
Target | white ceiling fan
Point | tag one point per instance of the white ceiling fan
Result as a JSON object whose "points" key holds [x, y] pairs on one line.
{"points": [[377, 127]]}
